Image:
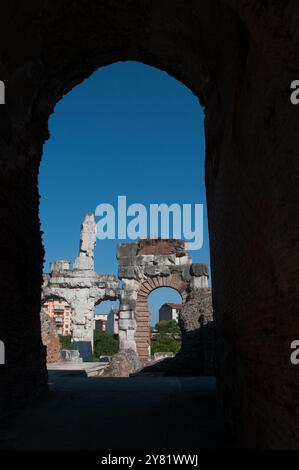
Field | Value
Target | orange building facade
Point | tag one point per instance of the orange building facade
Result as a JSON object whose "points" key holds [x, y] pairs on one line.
{"points": [[61, 312]]}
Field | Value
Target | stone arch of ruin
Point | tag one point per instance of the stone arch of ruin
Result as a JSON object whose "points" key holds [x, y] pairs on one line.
{"points": [[237, 58], [81, 287]]}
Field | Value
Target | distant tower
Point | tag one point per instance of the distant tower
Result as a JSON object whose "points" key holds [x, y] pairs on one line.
{"points": [[85, 260]]}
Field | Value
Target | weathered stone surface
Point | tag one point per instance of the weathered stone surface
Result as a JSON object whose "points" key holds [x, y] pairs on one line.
{"points": [[127, 250], [197, 269], [158, 356], [161, 247], [49, 337], [123, 364], [85, 260], [197, 353], [70, 355], [157, 263]]}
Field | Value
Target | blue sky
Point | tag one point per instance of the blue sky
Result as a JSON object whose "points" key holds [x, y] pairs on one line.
{"points": [[129, 129]]}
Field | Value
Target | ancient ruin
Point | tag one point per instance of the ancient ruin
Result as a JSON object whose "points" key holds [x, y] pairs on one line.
{"points": [[239, 58], [144, 267]]}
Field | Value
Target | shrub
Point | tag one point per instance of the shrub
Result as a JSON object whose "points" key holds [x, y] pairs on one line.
{"points": [[169, 328]]}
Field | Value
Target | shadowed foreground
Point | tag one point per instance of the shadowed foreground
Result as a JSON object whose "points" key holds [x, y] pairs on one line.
{"points": [[143, 412]]}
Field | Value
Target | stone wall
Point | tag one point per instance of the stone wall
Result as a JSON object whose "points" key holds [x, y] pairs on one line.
{"points": [[197, 354], [50, 337], [82, 288]]}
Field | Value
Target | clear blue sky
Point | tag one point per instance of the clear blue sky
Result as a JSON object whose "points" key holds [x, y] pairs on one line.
{"points": [[129, 129]]}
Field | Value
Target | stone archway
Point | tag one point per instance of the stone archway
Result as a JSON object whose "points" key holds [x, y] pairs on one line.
{"points": [[81, 287], [142, 314]]}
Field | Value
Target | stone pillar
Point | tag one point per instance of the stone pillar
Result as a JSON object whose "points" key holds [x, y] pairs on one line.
{"points": [[83, 308]]}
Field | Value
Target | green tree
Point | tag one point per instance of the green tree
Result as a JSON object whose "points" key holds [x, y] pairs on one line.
{"points": [[104, 345], [169, 328]]}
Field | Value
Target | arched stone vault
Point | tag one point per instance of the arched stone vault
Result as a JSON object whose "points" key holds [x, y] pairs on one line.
{"points": [[142, 268], [239, 58]]}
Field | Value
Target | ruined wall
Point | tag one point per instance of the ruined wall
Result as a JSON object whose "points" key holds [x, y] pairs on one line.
{"points": [[197, 354], [142, 268], [239, 58], [251, 162]]}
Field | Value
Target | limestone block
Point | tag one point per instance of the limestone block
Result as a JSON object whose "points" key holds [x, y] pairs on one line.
{"points": [[112, 294], [162, 260], [88, 235], [60, 265], [131, 335], [144, 260], [128, 315], [186, 273], [78, 318], [127, 261], [128, 295], [127, 249], [127, 324], [199, 282], [129, 344], [84, 262]]}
